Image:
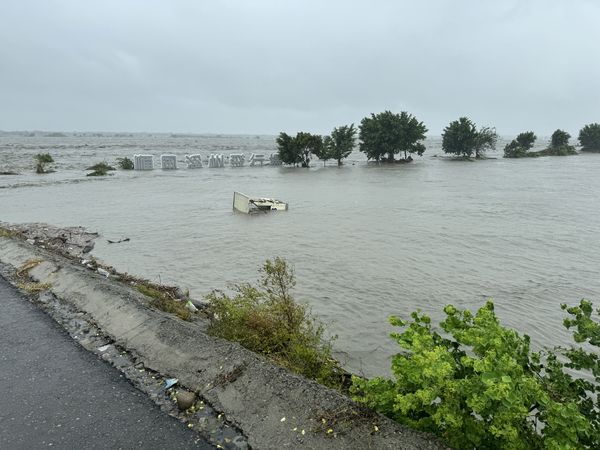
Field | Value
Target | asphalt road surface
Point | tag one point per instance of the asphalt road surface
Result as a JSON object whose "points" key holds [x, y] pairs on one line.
{"points": [[56, 394]]}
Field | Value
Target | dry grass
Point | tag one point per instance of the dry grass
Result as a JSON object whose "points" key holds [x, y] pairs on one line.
{"points": [[34, 288], [23, 271]]}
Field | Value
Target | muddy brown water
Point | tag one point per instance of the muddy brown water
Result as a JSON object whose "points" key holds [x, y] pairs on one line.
{"points": [[367, 241]]}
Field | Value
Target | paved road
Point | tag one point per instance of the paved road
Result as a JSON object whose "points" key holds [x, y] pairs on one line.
{"points": [[56, 394]]}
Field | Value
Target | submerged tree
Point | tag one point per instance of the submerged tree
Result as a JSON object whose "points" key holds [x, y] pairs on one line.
{"points": [[340, 143], [462, 138], [298, 149], [519, 146], [589, 137], [386, 134], [42, 161]]}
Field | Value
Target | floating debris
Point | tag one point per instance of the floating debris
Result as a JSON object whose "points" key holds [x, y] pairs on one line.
{"points": [[119, 241], [249, 205]]}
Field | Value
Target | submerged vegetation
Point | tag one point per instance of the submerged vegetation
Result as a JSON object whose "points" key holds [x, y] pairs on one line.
{"points": [[99, 169], [461, 138], [589, 137], [125, 163], [299, 149], [339, 144], [267, 319], [477, 384], [384, 135], [559, 146], [42, 160], [520, 146]]}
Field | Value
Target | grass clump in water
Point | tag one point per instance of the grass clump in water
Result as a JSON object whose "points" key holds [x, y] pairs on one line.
{"points": [[99, 169], [162, 299], [125, 163], [266, 319]]}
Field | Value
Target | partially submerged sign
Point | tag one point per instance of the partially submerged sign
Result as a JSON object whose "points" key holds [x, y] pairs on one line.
{"points": [[249, 205]]}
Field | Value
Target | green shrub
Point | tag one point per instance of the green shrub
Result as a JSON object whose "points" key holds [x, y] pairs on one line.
{"points": [[266, 319], [478, 385]]}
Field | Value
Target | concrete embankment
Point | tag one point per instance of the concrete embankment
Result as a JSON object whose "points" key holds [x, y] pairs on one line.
{"points": [[273, 408]]}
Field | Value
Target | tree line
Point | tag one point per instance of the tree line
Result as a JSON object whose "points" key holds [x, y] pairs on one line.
{"points": [[383, 136]]}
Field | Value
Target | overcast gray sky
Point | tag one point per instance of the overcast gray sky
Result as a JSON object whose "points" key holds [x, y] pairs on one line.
{"points": [[264, 66]]}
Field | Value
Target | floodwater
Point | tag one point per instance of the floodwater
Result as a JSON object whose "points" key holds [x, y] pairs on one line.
{"points": [[367, 241]]}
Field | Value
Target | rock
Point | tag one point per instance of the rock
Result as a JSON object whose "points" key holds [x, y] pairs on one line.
{"points": [[240, 442], [31, 241], [185, 399]]}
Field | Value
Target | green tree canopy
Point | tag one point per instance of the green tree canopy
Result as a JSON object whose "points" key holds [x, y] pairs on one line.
{"points": [[462, 138], [526, 139], [340, 143], [298, 149], [387, 133], [559, 139], [589, 137]]}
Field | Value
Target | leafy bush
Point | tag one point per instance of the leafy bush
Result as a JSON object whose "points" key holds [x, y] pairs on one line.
{"points": [[589, 137], [478, 385], [125, 163], [266, 319]]}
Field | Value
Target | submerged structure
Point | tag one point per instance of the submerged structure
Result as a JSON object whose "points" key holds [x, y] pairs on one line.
{"points": [[249, 205]]}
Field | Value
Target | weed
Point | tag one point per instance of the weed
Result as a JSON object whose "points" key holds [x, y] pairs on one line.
{"points": [[99, 169], [267, 320], [162, 299]]}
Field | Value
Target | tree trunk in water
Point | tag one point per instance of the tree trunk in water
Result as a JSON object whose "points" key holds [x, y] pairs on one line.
{"points": [[339, 162], [390, 157]]}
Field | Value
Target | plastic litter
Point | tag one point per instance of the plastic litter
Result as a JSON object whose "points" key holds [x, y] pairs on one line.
{"points": [[170, 382], [190, 306], [103, 272]]}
